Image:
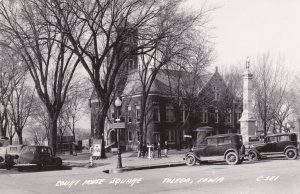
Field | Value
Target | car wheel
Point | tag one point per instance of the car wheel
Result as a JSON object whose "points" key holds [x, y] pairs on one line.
{"points": [[232, 158], [252, 156], [291, 154], [1, 159], [20, 169], [190, 160]]}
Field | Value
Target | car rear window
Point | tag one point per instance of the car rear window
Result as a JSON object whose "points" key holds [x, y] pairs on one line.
{"points": [[284, 138]]}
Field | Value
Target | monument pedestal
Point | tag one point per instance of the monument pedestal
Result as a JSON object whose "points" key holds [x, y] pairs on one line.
{"points": [[247, 129]]}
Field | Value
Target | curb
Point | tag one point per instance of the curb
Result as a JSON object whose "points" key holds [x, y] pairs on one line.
{"points": [[144, 167]]}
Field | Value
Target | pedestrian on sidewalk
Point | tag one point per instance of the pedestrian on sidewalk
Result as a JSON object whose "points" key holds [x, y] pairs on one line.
{"points": [[144, 150], [166, 148], [158, 150], [139, 149]]}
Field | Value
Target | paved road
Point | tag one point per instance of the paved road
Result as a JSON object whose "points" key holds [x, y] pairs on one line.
{"points": [[268, 176]]}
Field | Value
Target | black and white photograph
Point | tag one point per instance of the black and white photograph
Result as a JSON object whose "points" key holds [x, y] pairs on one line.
{"points": [[149, 96]]}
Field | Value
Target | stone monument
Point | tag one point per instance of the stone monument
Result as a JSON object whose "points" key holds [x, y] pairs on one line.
{"points": [[247, 120]]}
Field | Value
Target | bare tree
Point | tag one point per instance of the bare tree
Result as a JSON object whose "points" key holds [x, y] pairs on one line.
{"points": [[270, 85], [11, 74], [98, 30], [20, 104], [179, 30], [186, 76], [11, 132], [50, 63]]}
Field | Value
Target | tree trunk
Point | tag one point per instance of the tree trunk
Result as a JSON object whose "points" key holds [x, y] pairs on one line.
{"points": [[100, 130], [142, 119], [20, 137], [53, 132]]}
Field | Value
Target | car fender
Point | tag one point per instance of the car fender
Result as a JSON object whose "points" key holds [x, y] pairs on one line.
{"points": [[290, 146], [230, 150], [254, 150], [192, 153]]}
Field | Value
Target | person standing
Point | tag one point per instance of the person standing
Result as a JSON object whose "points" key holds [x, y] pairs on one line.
{"points": [[166, 148], [144, 150], [139, 149], [158, 150]]}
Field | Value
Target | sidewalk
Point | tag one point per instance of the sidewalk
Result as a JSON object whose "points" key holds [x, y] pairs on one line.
{"points": [[130, 161]]}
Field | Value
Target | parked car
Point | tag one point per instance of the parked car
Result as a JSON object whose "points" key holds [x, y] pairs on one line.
{"points": [[283, 144], [37, 156], [223, 147], [8, 153]]}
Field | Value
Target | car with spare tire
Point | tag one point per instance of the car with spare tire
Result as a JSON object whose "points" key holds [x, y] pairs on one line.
{"points": [[222, 147]]}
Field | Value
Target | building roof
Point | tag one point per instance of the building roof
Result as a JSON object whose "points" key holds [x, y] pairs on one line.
{"points": [[165, 83]]}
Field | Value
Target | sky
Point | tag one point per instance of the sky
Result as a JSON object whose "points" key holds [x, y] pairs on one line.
{"points": [[242, 28]]}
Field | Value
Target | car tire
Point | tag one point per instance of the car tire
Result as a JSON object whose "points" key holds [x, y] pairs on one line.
{"points": [[291, 154], [232, 158], [252, 156], [190, 160]]}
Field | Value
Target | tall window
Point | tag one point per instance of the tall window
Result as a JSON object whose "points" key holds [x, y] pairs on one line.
{"points": [[182, 115], [156, 113], [171, 135], [217, 116], [216, 93], [170, 116], [129, 135], [129, 114], [203, 114], [228, 116], [138, 113]]}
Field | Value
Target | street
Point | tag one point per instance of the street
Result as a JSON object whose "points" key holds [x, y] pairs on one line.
{"points": [[266, 176]]}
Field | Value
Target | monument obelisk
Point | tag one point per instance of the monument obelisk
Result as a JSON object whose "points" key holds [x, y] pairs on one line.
{"points": [[247, 120]]}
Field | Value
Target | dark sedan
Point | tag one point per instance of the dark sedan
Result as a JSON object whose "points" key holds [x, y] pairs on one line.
{"points": [[37, 156]]}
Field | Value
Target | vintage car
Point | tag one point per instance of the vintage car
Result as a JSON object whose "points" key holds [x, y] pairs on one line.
{"points": [[8, 153], [222, 147], [282, 144], [36, 156]]}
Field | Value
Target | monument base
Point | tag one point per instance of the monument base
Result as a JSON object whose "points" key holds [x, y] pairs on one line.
{"points": [[247, 130]]}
